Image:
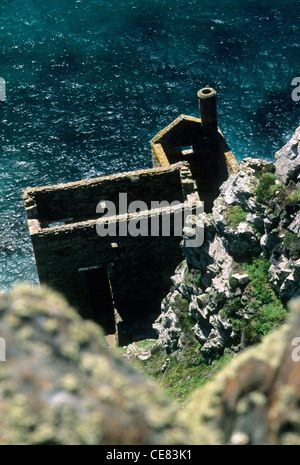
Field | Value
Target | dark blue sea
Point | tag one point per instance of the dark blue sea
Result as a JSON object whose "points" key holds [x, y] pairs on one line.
{"points": [[90, 82]]}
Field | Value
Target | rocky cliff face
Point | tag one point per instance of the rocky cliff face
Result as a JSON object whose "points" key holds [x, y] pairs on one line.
{"points": [[237, 284]]}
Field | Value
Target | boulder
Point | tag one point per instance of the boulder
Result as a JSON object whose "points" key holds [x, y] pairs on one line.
{"points": [[62, 384]]}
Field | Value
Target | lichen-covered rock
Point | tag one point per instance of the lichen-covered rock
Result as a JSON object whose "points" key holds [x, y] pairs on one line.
{"points": [[62, 384], [256, 399]]}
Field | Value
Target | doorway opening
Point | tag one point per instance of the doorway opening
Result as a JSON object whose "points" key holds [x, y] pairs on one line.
{"points": [[101, 299]]}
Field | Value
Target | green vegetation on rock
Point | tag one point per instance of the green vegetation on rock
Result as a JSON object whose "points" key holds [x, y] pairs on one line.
{"points": [[233, 282], [235, 216], [265, 310], [183, 371], [267, 187], [192, 277], [294, 196]]}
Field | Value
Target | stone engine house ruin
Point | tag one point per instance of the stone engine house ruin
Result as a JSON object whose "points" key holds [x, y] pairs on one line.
{"points": [[119, 281]]}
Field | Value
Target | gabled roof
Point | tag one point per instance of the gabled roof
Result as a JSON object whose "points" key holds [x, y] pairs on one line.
{"points": [[180, 131]]}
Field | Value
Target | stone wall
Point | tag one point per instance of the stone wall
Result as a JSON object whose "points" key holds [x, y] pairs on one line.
{"points": [[77, 201], [139, 267]]}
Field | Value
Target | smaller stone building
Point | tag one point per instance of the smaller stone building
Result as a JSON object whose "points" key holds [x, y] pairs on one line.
{"points": [[200, 143]]}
